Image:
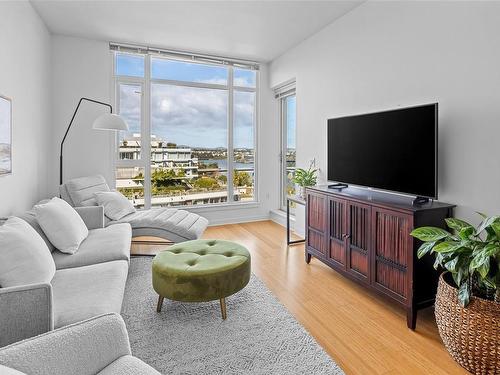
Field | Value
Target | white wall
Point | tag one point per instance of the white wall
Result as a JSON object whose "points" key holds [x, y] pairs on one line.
{"points": [[82, 67], [383, 55], [25, 78]]}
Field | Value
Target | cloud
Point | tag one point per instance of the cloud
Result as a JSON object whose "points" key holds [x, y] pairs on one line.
{"points": [[198, 117], [191, 116], [195, 117], [244, 82], [130, 108]]}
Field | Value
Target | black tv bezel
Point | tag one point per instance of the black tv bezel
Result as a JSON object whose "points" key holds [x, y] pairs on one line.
{"points": [[436, 159]]}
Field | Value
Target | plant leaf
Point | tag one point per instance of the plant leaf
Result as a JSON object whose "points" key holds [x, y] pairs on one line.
{"points": [[489, 282], [425, 248], [486, 223], [447, 247], [438, 261], [430, 233], [491, 235], [484, 269], [484, 216], [480, 259], [496, 228], [461, 274], [457, 224], [491, 249], [452, 265], [464, 294], [466, 232]]}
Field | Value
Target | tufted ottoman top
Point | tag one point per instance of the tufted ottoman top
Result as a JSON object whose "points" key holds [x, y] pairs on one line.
{"points": [[201, 270]]}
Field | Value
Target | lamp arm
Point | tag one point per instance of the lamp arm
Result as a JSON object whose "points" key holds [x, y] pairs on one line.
{"points": [[67, 131]]}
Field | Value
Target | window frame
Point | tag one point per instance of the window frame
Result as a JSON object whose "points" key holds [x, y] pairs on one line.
{"points": [[146, 83]]}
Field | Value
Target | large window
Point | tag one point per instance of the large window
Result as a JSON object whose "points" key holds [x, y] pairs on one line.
{"points": [[192, 131]]}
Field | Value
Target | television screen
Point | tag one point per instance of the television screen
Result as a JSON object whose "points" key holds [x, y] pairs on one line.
{"points": [[392, 150]]}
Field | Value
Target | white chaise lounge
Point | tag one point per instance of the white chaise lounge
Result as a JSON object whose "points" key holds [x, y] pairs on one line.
{"points": [[168, 223]]}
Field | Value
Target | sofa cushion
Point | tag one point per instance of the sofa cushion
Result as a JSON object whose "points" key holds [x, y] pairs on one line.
{"points": [[115, 204], [83, 292], [81, 190], [101, 245], [128, 365], [9, 371], [24, 256], [30, 218], [180, 224], [83, 348], [61, 224]]}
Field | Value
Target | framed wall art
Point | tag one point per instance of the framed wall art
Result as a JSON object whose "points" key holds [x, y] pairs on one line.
{"points": [[5, 136]]}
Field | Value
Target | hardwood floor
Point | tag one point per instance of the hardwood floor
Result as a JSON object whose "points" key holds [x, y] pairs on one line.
{"points": [[363, 334]]}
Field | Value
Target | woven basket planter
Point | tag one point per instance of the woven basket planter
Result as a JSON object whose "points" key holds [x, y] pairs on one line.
{"points": [[472, 334]]}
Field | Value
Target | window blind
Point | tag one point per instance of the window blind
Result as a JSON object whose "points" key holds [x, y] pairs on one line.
{"points": [[284, 90], [186, 56]]}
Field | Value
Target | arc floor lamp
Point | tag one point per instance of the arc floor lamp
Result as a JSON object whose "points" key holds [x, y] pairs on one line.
{"points": [[106, 121]]}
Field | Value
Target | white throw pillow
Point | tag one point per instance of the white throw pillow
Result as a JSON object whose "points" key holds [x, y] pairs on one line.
{"points": [[115, 204], [24, 255], [61, 224]]}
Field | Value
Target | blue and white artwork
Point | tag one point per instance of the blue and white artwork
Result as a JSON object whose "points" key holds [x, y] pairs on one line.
{"points": [[5, 136]]}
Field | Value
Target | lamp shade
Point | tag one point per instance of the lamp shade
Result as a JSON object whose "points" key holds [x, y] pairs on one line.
{"points": [[110, 121]]}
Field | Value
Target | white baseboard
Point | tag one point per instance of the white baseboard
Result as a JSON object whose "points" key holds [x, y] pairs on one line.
{"points": [[279, 217], [245, 219]]}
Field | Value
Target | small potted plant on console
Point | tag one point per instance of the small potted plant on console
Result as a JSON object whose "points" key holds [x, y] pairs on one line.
{"points": [[304, 178], [467, 304]]}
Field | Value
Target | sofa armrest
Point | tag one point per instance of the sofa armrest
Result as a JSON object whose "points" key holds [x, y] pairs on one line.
{"points": [[93, 216], [81, 348], [25, 311]]}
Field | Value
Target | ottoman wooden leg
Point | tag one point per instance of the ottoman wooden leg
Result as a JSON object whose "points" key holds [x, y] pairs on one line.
{"points": [[223, 308], [160, 303]]}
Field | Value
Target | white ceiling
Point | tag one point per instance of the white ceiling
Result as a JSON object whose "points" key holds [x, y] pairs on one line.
{"points": [[257, 30]]}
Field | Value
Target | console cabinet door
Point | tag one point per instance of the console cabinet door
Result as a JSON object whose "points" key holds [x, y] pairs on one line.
{"points": [[316, 222], [338, 232], [393, 253], [358, 241]]}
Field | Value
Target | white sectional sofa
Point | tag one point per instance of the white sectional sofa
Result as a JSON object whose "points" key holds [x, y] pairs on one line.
{"points": [[99, 345], [168, 223], [86, 284]]}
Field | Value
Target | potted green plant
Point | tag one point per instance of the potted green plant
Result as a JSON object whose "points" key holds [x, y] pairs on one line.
{"points": [[467, 304], [304, 178]]}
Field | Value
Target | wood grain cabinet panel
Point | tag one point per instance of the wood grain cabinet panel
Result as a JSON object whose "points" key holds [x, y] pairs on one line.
{"points": [[338, 232], [366, 236], [393, 252], [358, 240], [316, 220]]}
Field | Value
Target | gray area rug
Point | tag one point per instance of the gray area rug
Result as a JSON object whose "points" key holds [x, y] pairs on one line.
{"points": [[259, 336]]}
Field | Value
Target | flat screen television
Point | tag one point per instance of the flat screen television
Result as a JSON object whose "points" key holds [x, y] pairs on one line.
{"points": [[393, 150]]}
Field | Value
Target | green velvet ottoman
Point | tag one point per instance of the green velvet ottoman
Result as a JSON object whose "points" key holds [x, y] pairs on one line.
{"points": [[200, 271]]}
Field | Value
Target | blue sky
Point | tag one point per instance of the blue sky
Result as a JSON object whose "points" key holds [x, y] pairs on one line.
{"points": [[195, 117]]}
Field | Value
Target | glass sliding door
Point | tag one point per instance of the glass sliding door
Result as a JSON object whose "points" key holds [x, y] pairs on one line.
{"points": [[288, 142]]}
